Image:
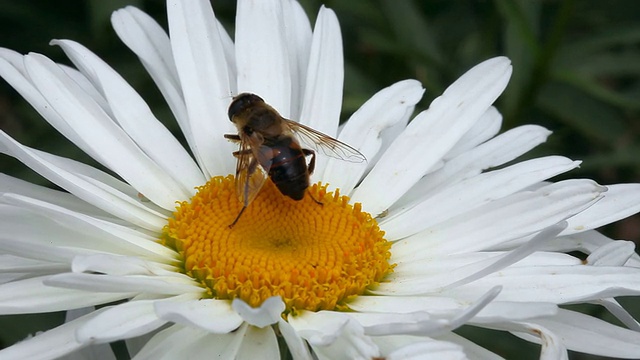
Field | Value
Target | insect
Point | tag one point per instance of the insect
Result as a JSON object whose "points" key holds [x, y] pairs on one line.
{"points": [[269, 147]]}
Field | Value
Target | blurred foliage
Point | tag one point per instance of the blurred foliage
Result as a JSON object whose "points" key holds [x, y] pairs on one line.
{"points": [[576, 71]]}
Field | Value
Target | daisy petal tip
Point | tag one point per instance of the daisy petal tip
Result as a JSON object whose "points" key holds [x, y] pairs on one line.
{"points": [[32, 56], [497, 62], [64, 43], [266, 314], [118, 16], [33, 60], [493, 293], [503, 59], [501, 65]]}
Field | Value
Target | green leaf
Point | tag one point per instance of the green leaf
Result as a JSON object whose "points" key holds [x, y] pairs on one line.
{"points": [[412, 29], [609, 64], [578, 110], [579, 49], [596, 89]]}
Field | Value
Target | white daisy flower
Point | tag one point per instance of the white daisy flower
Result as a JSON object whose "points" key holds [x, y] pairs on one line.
{"points": [[436, 231]]}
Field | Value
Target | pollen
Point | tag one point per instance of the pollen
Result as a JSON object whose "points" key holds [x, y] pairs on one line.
{"points": [[314, 256]]}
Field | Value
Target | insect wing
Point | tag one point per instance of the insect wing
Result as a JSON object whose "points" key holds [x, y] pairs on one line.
{"points": [[251, 170], [325, 143]]}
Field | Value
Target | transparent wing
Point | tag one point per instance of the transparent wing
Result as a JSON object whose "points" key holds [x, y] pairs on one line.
{"points": [[324, 143], [251, 169]]}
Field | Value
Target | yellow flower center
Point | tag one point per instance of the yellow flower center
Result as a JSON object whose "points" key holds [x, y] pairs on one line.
{"points": [[316, 257]]}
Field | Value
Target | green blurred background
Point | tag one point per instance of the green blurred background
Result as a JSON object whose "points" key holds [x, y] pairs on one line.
{"points": [[576, 72]]}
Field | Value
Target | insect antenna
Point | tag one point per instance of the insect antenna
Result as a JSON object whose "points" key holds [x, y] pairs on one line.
{"points": [[238, 217]]}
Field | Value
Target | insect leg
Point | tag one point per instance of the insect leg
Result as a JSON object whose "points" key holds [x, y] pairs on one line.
{"points": [[237, 217], [242, 152], [314, 199], [310, 168], [250, 169], [232, 137]]}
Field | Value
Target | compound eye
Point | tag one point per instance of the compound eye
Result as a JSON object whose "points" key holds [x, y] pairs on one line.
{"points": [[241, 102]]}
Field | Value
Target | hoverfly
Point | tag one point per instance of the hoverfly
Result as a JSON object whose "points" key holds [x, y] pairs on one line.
{"points": [[269, 148]]}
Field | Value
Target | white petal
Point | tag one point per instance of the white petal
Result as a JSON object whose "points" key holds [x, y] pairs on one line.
{"points": [[260, 342], [428, 350], [423, 323], [230, 54], [215, 316], [472, 350], [470, 194], [514, 216], [163, 285], [266, 314], [180, 342], [405, 304], [32, 236], [298, 347], [12, 64], [586, 242], [10, 277], [553, 347], [298, 31], [221, 346], [556, 284], [87, 86], [13, 71], [134, 345], [171, 342], [499, 311], [497, 151], [432, 134], [496, 264], [131, 319], [334, 335], [620, 313], [619, 202], [10, 264], [262, 54], [389, 344], [122, 239], [9, 184], [37, 251], [87, 183], [442, 270], [119, 265], [99, 136], [93, 352], [198, 50], [135, 117], [325, 76], [150, 43], [31, 296], [492, 312], [51, 344], [363, 130], [583, 333], [613, 254], [486, 128]]}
